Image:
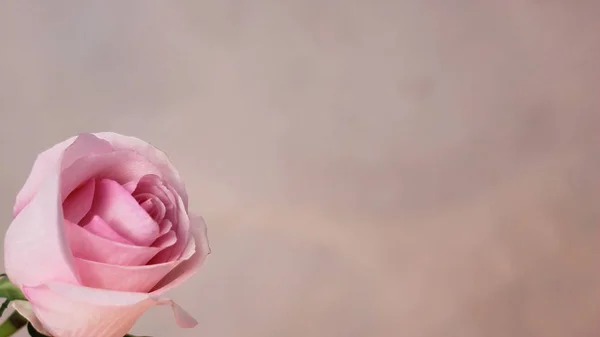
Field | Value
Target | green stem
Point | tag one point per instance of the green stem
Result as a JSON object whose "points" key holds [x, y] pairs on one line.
{"points": [[13, 324]]}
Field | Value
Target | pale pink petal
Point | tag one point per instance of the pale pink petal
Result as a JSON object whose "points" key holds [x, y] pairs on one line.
{"points": [[76, 311], [182, 229], [45, 160], [120, 166], [87, 144], [24, 308], [86, 245], [35, 247], [182, 318], [152, 184], [174, 205], [67, 316], [130, 186], [79, 202], [122, 278], [100, 228], [152, 205], [190, 266], [94, 296], [166, 240], [164, 226], [157, 157], [123, 213]]}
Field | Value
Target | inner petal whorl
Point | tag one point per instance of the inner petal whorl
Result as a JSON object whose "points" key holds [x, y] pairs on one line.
{"points": [[152, 205]]}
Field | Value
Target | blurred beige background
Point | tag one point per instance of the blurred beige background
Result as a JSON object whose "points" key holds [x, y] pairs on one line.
{"points": [[366, 168]]}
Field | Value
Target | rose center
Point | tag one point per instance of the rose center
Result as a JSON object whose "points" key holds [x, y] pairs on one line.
{"points": [[152, 205]]}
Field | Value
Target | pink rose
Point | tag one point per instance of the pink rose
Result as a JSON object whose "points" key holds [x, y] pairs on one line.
{"points": [[101, 231]]}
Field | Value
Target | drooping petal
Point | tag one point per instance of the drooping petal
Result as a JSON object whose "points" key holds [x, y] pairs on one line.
{"points": [[65, 315], [87, 245], [100, 228], [182, 318], [122, 278], [157, 157], [35, 247], [122, 212], [79, 202], [188, 267]]}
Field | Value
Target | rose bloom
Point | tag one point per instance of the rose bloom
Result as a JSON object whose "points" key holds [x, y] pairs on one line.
{"points": [[101, 230]]}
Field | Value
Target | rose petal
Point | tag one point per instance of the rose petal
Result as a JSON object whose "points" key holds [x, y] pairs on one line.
{"points": [[85, 144], [35, 247], [157, 157], [120, 166], [188, 267], [152, 184], [182, 318], [123, 214], [48, 159], [152, 205], [65, 316], [164, 226], [182, 229], [79, 202], [75, 311], [130, 186], [88, 144], [166, 240], [24, 308], [96, 297], [86, 245], [100, 228], [122, 278]]}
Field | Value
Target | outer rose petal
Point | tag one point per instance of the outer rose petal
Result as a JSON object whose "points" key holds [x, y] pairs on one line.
{"points": [[190, 266], [49, 158], [24, 308], [75, 311], [88, 144], [155, 156], [35, 247], [67, 317]]}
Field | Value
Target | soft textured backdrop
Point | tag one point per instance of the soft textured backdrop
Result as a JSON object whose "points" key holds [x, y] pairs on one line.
{"points": [[367, 168]]}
